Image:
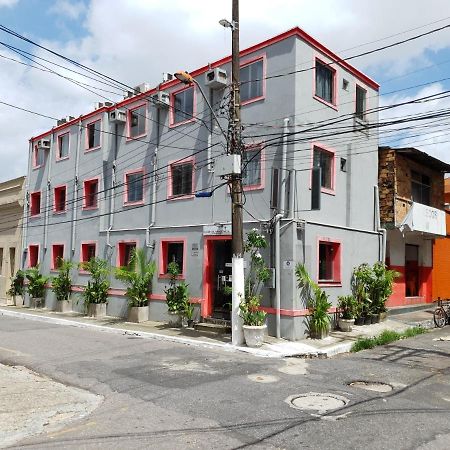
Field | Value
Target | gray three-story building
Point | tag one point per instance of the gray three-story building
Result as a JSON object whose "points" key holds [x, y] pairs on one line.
{"points": [[126, 174]]}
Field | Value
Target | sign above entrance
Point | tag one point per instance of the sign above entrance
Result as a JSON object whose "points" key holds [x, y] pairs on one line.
{"points": [[216, 230], [425, 219]]}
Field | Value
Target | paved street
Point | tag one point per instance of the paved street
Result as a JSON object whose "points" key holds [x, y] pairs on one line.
{"points": [[166, 395]]}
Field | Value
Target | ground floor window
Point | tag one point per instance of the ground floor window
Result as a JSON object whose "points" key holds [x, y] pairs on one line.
{"points": [[88, 251], [172, 251], [33, 255], [329, 261], [57, 256], [125, 252]]}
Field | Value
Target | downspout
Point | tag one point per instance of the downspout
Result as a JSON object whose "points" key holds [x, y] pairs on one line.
{"points": [[113, 190], [47, 194], [75, 187], [210, 163], [278, 217], [283, 167], [26, 205], [382, 252]]}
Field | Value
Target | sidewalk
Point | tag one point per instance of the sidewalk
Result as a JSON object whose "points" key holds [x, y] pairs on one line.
{"points": [[337, 342]]}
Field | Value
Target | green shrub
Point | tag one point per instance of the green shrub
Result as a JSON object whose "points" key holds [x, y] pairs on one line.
{"points": [[62, 284], [36, 282], [96, 290], [177, 295], [17, 284]]}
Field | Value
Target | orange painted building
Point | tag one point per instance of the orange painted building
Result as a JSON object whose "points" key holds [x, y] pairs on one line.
{"points": [[441, 255]]}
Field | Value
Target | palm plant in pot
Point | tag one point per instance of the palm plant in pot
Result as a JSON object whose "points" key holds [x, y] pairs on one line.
{"points": [[36, 286], [62, 285], [16, 289], [381, 289], [361, 280], [319, 322], [346, 306], [254, 319], [177, 296], [137, 277], [95, 293]]}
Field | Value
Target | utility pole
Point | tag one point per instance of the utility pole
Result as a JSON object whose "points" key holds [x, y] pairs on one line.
{"points": [[238, 284]]}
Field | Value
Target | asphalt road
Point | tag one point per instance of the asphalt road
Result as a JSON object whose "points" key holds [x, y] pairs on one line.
{"points": [[170, 396]]}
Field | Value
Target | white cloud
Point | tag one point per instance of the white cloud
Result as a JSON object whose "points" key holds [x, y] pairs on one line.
{"points": [[144, 38], [8, 3]]}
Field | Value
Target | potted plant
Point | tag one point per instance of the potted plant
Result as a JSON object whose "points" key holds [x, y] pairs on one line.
{"points": [[36, 286], [177, 296], [137, 276], [62, 286], [95, 294], [319, 322], [361, 279], [346, 306], [381, 289], [254, 320], [16, 289]]}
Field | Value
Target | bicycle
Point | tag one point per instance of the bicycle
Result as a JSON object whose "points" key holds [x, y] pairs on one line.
{"points": [[441, 314]]}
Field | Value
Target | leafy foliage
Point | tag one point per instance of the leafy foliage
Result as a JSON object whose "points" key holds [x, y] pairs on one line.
{"points": [[62, 284], [177, 295], [347, 306], [96, 290], [36, 282], [17, 284], [137, 276]]}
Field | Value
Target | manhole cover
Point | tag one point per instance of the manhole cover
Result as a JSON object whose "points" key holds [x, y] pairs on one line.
{"points": [[314, 401], [376, 386]]}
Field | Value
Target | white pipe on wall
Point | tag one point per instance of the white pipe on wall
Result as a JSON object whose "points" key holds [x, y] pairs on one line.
{"points": [[26, 205], [283, 167], [278, 274], [48, 161], [75, 187]]}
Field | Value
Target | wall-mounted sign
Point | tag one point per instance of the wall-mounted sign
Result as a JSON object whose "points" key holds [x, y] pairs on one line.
{"points": [[216, 230], [194, 249]]}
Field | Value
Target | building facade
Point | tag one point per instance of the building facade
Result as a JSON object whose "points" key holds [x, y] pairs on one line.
{"points": [[126, 175], [11, 212], [411, 187]]}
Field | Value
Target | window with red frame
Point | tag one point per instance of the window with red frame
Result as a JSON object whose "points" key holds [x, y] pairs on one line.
{"points": [[325, 82], [125, 252], [181, 176], [63, 146], [33, 255], [93, 134], [137, 118], [88, 251], [252, 173], [90, 193], [57, 255], [183, 105], [39, 156], [172, 252], [134, 187], [60, 199], [324, 160], [35, 203], [251, 76], [329, 262]]}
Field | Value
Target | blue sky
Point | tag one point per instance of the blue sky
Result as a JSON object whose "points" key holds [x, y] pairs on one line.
{"points": [[138, 40]]}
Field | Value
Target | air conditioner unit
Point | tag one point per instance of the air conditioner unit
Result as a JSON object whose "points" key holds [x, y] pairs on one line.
{"points": [[143, 87], [118, 116], [216, 78], [98, 105], [161, 99], [43, 143], [167, 77]]}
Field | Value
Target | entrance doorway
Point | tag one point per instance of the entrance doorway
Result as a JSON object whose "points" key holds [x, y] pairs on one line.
{"points": [[412, 270], [217, 277]]}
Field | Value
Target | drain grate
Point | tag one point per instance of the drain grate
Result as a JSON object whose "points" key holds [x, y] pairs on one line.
{"points": [[376, 386], [320, 402]]}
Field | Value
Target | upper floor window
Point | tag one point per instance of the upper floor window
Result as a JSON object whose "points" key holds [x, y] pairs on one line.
{"points": [[38, 157], [63, 146], [251, 76], [90, 193], [134, 186], [137, 121], [33, 255], [325, 82], [125, 252], [420, 188], [93, 130], [325, 160], [60, 199], [360, 107], [181, 179], [182, 106], [35, 203], [252, 167]]}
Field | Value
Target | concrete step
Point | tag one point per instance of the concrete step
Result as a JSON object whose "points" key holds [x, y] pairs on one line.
{"points": [[410, 308], [215, 328]]}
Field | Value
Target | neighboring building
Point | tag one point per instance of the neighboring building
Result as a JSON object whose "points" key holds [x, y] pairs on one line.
{"points": [[125, 175], [441, 254], [411, 185], [11, 213]]}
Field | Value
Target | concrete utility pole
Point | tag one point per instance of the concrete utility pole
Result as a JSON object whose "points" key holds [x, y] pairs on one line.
{"points": [[238, 283]]}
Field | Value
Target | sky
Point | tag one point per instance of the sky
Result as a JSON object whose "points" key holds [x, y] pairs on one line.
{"points": [[138, 40]]}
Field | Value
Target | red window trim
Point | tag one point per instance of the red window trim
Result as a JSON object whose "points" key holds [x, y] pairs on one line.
{"points": [[35, 152], [334, 102], [58, 146], [332, 151], [358, 85], [252, 60], [29, 254], [119, 247], [125, 193], [173, 124], [85, 182], [53, 256], [87, 149], [170, 196], [163, 256], [129, 111], [57, 188], [32, 194], [83, 243], [337, 262], [262, 184]]}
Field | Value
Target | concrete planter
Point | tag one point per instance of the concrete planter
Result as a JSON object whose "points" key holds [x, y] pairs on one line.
{"points": [[37, 302], [346, 324], [63, 306], [254, 335], [383, 316], [138, 314], [319, 334], [96, 310], [18, 300], [175, 319]]}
